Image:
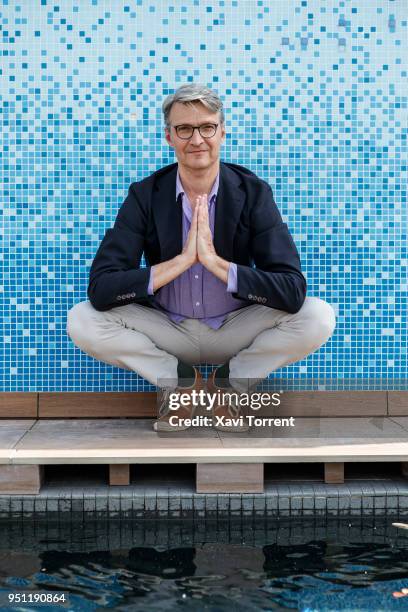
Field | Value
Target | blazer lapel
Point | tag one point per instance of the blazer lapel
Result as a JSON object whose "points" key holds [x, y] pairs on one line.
{"points": [[167, 214], [230, 200]]}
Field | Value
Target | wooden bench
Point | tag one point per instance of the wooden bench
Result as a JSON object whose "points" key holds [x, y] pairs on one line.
{"points": [[225, 462]]}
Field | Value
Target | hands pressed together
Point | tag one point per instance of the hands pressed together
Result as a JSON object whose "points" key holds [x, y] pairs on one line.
{"points": [[199, 245], [198, 248]]}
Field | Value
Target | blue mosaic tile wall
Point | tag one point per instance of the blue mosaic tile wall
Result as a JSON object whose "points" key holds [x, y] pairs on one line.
{"points": [[315, 98]]}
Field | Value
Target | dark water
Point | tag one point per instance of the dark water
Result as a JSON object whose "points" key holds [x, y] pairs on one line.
{"points": [[342, 564]]}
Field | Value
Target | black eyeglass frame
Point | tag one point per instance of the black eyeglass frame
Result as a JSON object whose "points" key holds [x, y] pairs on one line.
{"points": [[197, 127]]}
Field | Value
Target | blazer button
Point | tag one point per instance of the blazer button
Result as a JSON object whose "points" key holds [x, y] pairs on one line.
{"points": [[264, 300], [133, 295], [250, 296], [118, 297]]}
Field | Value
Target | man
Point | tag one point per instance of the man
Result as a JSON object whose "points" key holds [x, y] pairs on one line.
{"points": [[222, 282]]}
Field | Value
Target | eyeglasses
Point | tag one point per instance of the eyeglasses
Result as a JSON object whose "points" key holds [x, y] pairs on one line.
{"points": [[185, 132]]}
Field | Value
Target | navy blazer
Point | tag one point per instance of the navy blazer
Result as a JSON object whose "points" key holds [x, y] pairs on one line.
{"points": [[248, 231]]}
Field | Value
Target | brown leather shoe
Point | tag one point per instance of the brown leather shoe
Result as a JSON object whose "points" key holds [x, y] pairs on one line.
{"points": [[229, 410], [183, 412]]}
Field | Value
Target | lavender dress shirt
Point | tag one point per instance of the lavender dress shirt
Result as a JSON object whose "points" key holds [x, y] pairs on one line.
{"points": [[197, 293]]}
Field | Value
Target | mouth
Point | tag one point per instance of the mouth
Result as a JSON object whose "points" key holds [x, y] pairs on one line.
{"points": [[198, 152]]}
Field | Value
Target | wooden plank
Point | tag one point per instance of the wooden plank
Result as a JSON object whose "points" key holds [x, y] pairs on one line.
{"points": [[398, 403], [334, 473], [11, 432], [119, 474], [324, 428], [18, 405], [98, 404], [230, 478], [21, 479], [133, 441], [143, 404], [106, 441], [330, 404]]}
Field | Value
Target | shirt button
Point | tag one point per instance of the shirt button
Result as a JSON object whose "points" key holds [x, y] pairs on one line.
{"points": [[197, 303], [195, 275]]}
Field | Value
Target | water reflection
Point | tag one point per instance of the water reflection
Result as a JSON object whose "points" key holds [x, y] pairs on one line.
{"points": [[302, 565]]}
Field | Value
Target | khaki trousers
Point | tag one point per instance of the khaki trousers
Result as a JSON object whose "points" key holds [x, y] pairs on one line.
{"points": [[256, 339]]}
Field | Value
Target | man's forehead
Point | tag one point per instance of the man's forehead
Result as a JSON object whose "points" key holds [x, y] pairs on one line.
{"points": [[193, 110]]}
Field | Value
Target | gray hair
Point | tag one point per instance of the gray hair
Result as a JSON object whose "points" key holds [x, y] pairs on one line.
{"points": [[193, 92]]}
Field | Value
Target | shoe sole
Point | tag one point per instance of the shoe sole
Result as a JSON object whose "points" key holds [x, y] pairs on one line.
{"points": [[227, 428], [168, 428], [164, 426], [171, 428]]}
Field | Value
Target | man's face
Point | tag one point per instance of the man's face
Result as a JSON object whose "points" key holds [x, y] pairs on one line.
{"points": [[197, 153]]}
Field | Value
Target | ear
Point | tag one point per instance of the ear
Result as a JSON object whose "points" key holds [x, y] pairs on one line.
{"points": [[223, 132], [168, 137]]}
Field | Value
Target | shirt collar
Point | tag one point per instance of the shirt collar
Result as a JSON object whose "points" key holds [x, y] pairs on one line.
{"points": [[213, 192]]}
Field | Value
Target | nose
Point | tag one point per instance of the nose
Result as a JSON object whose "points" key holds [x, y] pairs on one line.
{"points": [[196, 138]]}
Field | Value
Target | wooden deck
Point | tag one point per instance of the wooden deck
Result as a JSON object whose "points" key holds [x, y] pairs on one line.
{"points": [[225, 462], [143, 404]]}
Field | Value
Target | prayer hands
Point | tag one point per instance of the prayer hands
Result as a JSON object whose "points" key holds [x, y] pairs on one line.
{"points": [[205, 247], [199, 245]]}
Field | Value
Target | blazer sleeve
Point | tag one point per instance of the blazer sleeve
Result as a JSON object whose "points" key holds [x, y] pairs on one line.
{"points": [[115, 277], [276, 280]]}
